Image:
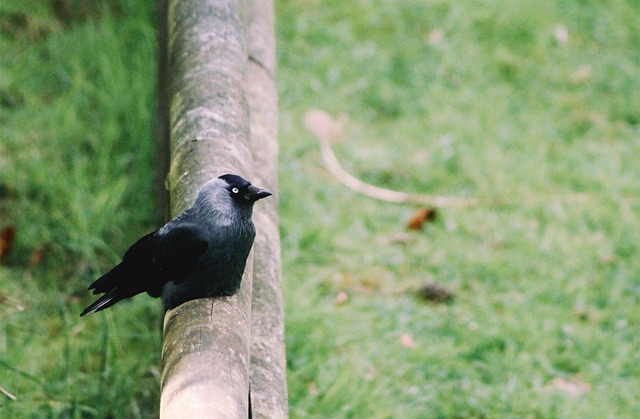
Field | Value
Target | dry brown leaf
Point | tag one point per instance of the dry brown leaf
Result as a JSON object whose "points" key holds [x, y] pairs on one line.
{"points": [[422, 216], [7, 240], [435, 293], [36, 256]]}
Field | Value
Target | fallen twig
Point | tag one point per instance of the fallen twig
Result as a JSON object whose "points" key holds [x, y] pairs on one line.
{"points": [[325, 129], [6, 393]]}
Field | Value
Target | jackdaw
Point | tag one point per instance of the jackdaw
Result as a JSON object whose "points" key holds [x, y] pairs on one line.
{"points": [[200, 253]]}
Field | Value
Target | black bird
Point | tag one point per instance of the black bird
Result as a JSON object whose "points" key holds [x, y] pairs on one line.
{"points": [[200, 253]]}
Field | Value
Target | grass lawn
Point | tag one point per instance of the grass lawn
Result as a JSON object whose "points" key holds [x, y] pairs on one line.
{"points": [[534, 105]]}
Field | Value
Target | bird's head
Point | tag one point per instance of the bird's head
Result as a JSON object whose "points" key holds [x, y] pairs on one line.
{"points": [[228, 197], [241, 189]]}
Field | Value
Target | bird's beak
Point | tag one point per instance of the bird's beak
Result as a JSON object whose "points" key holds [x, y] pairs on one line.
{"points": [[255, 193]]}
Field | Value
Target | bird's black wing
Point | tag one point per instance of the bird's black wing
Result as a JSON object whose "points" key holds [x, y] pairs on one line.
{"points": [[150, 263], [177, 251], [133, 262]]}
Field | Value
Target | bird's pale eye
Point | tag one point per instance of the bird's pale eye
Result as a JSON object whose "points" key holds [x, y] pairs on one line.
{"points": [[235, 190]]}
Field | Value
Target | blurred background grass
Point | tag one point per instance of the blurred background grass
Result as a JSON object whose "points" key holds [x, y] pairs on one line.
{"points": [[529, 103]]}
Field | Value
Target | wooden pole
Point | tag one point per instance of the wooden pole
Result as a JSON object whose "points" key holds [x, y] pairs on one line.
{"points": [[223, 118], [268, 364], [206, 341], [162, 112]]}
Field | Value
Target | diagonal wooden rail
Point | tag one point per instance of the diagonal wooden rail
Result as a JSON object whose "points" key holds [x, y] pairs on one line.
{"points": [[223, 118]]}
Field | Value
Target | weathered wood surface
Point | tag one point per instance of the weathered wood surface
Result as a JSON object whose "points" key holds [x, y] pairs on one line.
{"points": [[268, 364], [223, 119], [206, 341]]}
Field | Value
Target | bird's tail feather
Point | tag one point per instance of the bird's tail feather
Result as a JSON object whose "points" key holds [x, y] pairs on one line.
{"points": [[103, 302], [108, 281]]}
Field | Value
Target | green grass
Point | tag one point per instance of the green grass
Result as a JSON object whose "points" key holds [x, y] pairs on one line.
{"points": [[475, 99], [76, 168], [546, 288]]}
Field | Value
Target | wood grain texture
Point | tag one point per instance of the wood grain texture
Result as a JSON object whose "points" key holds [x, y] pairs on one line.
{"points": [[206, 341], [268, 364], [223, 119]]}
